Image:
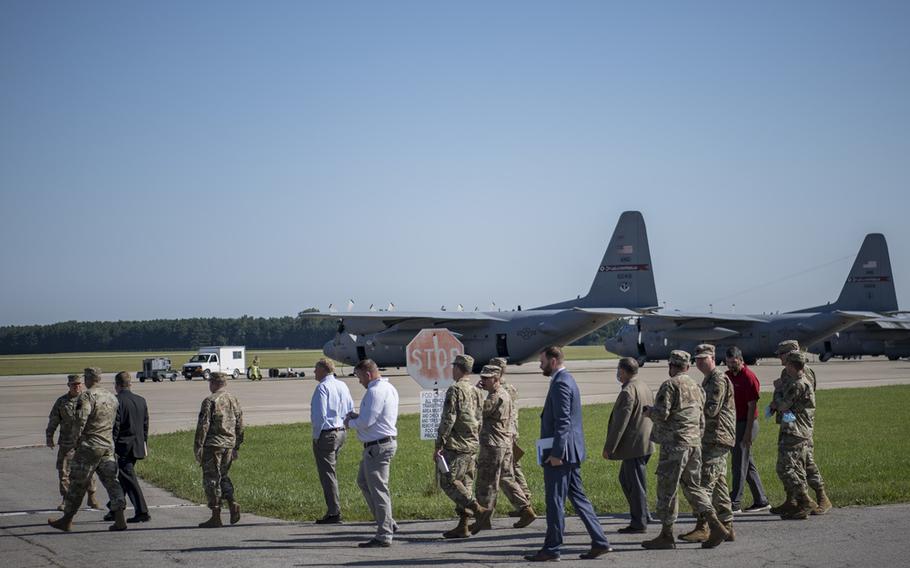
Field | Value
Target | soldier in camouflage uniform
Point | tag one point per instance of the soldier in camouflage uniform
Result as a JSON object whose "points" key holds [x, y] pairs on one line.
{"points": [[494, 464], [813, 475], [219, 434], [794, 402], [678, 416], [516, 499], [456, 442], [717, 441], [63, 414], [96, 411]]}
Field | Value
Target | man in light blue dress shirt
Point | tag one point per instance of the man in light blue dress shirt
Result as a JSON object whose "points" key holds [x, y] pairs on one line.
{"points": [[331, 403], [376, 429]]}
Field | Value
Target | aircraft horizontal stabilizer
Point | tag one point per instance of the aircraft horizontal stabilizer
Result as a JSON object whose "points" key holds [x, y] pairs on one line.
{"points": [[707, 319], [616, 312]]}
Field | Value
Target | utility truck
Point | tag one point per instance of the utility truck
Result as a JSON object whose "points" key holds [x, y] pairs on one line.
{"points": [[225, 359]]}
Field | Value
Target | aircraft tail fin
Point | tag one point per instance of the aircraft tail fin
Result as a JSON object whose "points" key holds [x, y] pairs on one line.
{"points": [[870, 283], [625, 277]]}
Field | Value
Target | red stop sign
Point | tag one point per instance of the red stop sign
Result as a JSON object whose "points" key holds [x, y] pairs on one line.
{"points": [[430, 355]]}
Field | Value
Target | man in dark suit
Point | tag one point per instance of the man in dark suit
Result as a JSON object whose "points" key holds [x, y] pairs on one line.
{"points": [[629, 440], [131, 432], [561, 422]]}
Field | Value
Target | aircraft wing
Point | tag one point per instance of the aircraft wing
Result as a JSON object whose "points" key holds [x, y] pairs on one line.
{"points": [[372, 322]]}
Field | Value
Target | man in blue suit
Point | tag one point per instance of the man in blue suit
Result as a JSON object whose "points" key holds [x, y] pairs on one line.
{"points": [[561, 421]]}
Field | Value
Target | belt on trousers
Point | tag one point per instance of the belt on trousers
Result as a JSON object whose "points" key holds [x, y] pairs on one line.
{"points": [[385, 440]]}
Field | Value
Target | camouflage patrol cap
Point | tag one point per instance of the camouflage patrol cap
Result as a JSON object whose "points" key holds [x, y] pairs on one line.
{"points": [[499, 362], [491, 371], [92, 373], [797, 357], [679, 357], [74, 379], [704, 350], [218, 376], [465, 361], [787, 346]]}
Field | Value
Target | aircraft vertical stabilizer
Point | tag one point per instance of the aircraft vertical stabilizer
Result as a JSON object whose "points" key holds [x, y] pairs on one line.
{"points": [[870, 284], [625, 277]]}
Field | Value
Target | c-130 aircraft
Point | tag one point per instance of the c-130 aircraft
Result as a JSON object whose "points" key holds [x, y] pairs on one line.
{"points": [[622, 286], [869, 288]]}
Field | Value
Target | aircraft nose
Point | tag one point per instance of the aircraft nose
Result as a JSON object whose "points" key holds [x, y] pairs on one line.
{"points": [[329, 349]]}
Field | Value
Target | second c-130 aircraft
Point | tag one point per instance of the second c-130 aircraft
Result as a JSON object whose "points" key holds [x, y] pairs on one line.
{"points": [[869, 288], [623, 286]]}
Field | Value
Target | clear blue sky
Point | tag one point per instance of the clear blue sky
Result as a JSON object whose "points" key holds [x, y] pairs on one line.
{"points": [[174, 159]]}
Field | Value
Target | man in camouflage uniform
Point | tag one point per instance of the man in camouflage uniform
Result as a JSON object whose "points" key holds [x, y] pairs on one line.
{"points": [[515, 498], [678, 417], [718, 439], [794, 402], [219, 434], [813, 475], [96, 411], [456, 442], [494, 464], [63, 414]]}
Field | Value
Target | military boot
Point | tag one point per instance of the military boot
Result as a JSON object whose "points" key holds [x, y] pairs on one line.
{"points": [[718, 533], [483, 523], [699, 533], [119, 521], [731, 536], [527, 517], [663, 541], [214, 522], [92, 502], [64, 523], [788, 504], [804, 507], [460, 530], [516, 513], [824, 504], [62, 505], [234, 508]]}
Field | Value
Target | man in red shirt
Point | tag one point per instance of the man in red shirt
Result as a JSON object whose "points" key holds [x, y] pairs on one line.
{"points": [[745, 394]]}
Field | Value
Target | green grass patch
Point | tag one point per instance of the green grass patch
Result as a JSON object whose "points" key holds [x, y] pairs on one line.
{"points": [[64, 363], [862, 441]]}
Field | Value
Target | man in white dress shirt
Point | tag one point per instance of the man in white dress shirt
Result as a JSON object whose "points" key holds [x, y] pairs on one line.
{"points": [[330, 404], [376, 428]]}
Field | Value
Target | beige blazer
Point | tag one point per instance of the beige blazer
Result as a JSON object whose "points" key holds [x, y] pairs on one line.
{"points": [[629, 432]]}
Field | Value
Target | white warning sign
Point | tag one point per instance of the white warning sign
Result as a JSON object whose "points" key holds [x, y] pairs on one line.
{"points": [[430, 412]]}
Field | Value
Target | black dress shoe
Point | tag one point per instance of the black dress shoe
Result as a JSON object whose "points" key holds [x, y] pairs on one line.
{"points": [[109, 516], [329, 520], [373, 543], [542, 556], [595, 552], [143, 518], [632, 530]]}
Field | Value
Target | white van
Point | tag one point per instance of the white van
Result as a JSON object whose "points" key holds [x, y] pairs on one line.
{"points": [[208, 360]]}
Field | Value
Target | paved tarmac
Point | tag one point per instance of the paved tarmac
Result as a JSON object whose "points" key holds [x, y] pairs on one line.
{"points": [[874, 536], [25, 401]]}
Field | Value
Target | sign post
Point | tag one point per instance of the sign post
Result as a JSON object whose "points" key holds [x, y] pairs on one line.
{"points": [[429, 356]]}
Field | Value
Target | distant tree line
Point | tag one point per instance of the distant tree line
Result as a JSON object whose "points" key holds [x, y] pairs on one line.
{"points": [[182, 334], [167, 334]]}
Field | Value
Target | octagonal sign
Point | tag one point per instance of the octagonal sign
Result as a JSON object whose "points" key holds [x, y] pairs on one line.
{"points": [[430, 355]]}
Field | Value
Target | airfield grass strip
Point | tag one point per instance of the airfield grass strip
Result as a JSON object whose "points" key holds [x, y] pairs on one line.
{"points": [[64, 363], [862, 442]]}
